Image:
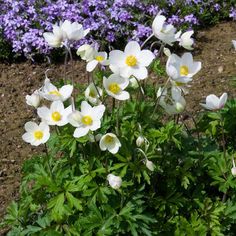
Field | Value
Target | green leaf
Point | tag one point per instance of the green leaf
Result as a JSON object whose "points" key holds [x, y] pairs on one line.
{"points": [[74, 201]]}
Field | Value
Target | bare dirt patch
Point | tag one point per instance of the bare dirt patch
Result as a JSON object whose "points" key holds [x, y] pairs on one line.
{"points": [[213, 48]]}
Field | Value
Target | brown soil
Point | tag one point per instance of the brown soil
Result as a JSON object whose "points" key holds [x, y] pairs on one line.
{"points": [[213, 48]]}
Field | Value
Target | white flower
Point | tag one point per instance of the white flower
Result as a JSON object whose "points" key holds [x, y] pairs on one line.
{"points": [[167, 52], [176, 103], [64, 32], [86, 52], [36, 134], [56, 37], [56, 115], [110, 142], [234, 44], [149, 165], [51, 93], [92, 94], [140, 141], [133, 61], [186, 41], [182, 69], [233, 171], [34, 99], [98, 58], [86, 119], [133, 82], [214, 103], [163, 31], [114, 181], [73, 31], [115, 85]]}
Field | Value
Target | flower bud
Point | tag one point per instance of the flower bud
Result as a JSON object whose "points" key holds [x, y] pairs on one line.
{"points": [[167, 52], [140, 141], [133, 83], [179, 106], [85, 52], [233, 171], [34, 99], [114, 181], [150, 165]]}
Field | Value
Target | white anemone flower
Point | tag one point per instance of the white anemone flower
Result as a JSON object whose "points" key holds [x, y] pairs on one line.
{"points": [[74, 31], [51, 93], [65, 31], [56, 115], [182, 69], [114, 181], [33, 99], [89, 118], [163, 31], [133, 61], [234, 44], [36, 134], [110, 142], [56, 37], [93, 94], [115, 85], [86, 52], [98, 58], [186, 41], [173, 104], [215, 103]]}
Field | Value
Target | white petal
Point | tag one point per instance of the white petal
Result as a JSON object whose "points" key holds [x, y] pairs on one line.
{"points": [[80, 132], [132, 48], [140, 73], [44, 113], [85, 108], [31, 126], [212, 101], [124, 95], [117, 58], [74, 118], [146, 57], [99, 111], [223, 100], [96, 125], [66, 91], [102, 144], [28, 137], [44, 127], [57, 106], [158, 23], [91, 65], [234, 44]]}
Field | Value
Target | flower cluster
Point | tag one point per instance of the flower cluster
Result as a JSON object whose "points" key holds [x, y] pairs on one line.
{"points": [[23, 22]]}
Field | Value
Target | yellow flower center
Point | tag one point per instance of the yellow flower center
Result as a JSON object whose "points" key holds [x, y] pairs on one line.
{"points": [[114, 88], [99, 58], [131, 60], [56, 116], [92, 94], [109, 139], [55, 92], [184, 70], [38, 134], [87, 120]]}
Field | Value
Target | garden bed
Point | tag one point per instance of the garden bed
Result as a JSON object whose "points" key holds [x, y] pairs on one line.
{"points": [[213, 48]]}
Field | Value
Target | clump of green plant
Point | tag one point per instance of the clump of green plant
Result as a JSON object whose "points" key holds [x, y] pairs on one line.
{"points": [[120, 158]]}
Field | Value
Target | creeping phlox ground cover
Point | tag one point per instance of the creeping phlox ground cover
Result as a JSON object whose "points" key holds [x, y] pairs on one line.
{"points": [[122, 155], [22, 23]]}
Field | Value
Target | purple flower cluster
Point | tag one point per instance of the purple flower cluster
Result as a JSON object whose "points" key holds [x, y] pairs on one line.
{"points": [[23, 22]]}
